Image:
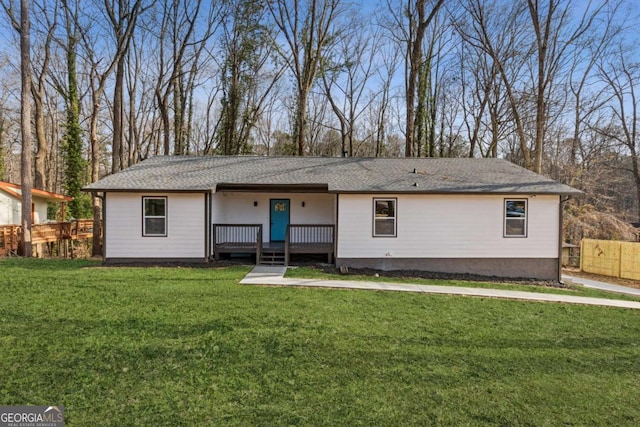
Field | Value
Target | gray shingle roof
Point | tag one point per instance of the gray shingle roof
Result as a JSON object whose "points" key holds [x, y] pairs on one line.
{"points": [[365, 175]]}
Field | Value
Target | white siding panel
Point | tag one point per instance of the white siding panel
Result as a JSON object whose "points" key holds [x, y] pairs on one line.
{"points": [[185, 227], [9, 209], [238, 208], [40, 210], [447, 226]]}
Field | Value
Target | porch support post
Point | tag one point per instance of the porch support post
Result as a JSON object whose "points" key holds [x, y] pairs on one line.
{"points": [[286, 245], [259, 245]]}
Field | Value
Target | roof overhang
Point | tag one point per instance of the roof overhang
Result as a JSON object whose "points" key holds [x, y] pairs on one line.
{"points": [[465, 193], [15, 191], [270, 188], [144, 190]]}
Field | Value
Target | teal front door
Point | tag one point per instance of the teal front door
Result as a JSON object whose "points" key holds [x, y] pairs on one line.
{"points": [[279, 219]]}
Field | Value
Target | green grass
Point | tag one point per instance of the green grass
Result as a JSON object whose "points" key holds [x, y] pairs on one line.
{"points": [[181, 346], [575, 290]]}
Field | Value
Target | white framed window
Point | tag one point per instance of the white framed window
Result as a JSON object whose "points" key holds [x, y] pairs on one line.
{"points": [[384, 217], [154, 216], [515, 217]]}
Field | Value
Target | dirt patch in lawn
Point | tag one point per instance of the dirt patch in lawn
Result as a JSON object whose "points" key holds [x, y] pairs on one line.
{"points": [[430, 275]]}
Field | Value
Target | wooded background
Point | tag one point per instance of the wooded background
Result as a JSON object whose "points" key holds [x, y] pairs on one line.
{"points": [[546, 84]]}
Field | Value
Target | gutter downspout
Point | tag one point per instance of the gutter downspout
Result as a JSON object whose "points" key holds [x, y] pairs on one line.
{"points": [[560, 233]]}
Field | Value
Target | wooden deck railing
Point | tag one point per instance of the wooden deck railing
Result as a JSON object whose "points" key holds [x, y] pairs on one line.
{"points": [[82, 229], [9, 239], [236, 238], [309, 239], [79, 229]]}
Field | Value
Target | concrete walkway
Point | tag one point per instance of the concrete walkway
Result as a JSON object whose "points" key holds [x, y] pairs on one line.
{"points": [[594, 284], [274, 276]]}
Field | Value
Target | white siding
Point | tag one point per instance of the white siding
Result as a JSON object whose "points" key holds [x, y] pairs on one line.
{"points": [[9, 209], [185, 227], [237, 208], [447, 226], [40, 210]]}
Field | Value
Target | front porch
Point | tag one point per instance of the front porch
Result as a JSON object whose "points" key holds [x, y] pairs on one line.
{"points": [[248, 239]]}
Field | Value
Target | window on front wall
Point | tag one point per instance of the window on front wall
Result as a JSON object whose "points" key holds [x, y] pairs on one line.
{"points": [[515, 218], [154, 221], [384, 217]]}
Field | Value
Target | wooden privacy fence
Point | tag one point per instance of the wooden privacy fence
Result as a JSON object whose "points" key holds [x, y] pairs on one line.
{"points": [[610, 258]]}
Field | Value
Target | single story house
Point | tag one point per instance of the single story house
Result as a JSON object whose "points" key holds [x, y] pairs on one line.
{"points": [[11, 204], [478, 216]]}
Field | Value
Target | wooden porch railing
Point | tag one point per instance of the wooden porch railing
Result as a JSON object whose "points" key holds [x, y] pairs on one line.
{"points": [[237, 238], [310, 239], [299, 238]]}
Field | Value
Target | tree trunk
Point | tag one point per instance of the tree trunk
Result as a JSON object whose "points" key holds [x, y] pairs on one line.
{"points": [[410, 95], [178, 115], [166, 126], [42, 149], [541, 112], [117, 154], [26, 180], [415, 54], [300, 127]]}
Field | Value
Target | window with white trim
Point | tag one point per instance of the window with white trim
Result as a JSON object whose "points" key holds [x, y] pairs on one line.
{"points": [[515, 218], [154, 216], [384, 217]]}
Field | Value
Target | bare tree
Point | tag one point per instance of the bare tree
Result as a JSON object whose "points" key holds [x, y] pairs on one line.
{"points": [[267, 122], [23, 27], [179, 50], [498, 30], [123, 16], [388, 56], [555, 36], [38, 89], [246, 80], [345, 78], [307, 28], [535, 38], [621, 78], [143, 126], [583, 73], [484, 102], [409, 24], [142, 117], [26, 180]]}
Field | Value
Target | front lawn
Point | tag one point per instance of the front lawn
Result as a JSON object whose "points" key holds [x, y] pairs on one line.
{"points": [[183, 346]]}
